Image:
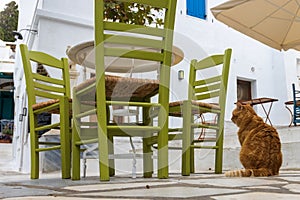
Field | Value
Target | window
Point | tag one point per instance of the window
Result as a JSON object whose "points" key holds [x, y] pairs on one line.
{"points": [[196, 8], [243, 90]]}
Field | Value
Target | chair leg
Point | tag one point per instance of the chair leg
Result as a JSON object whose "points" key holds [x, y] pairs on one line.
{"points": [[33, 147], [192, 153], [147, 159], [65, 139], [103, 160], [192, 160], [219, 153], [103, 152], [162, 142], [186, 138], [75, 151], [147, 151], [111, 152]]}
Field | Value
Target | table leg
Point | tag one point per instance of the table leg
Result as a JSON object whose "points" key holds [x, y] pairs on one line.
{"points": [[267, 113]]}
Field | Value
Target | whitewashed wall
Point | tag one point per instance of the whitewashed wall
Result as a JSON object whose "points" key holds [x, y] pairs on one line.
{"points": [[274, 71]]}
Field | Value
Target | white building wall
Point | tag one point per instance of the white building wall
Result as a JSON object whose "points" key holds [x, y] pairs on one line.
{"points": [[271, 71], [21, 139]]}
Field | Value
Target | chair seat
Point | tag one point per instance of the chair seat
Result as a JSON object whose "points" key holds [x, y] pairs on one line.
{"points": [[45, 104], [194, 110], [117, 86]]}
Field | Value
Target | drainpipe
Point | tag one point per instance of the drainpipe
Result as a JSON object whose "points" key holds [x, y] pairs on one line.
{"points": [[25, 134]]}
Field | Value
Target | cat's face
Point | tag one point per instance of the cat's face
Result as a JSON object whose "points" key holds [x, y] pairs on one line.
{"points": [[236, 113], [241, 113]]}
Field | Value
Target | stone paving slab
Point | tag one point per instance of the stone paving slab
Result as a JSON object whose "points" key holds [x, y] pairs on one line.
{"points": [[164, 192], [197, 186], [57, 198], [235, 182], [113, 186]]}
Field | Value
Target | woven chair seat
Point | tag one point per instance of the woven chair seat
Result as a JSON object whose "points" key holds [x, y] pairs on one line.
{"points": [[48, 103], [194, 110], [120, 87]]}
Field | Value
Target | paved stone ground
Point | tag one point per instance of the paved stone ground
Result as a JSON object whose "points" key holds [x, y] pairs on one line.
{"points": [[198, 186], [202, 185]]}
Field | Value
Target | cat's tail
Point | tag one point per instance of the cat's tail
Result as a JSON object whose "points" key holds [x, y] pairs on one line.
{"points": [[250, 172]]}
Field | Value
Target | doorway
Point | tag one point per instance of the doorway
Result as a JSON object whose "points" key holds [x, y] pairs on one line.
{"points": [[6, 96], [244, 90]]}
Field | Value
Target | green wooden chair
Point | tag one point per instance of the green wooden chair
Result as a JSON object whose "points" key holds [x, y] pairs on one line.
{"points": [[114, 39], [48, 95], [206, 95]]}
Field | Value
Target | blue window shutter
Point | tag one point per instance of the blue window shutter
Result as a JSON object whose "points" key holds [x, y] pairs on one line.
{"points": [[196, 8], [190, 8]]}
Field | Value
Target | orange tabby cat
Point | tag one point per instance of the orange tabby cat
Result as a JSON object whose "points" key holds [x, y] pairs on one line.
{"points": [[260, 144]]}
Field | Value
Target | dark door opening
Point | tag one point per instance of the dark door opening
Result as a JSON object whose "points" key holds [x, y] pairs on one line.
{"points": [[243, 90]]}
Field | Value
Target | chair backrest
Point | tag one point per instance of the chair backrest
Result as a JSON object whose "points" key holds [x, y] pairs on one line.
{"points": [[134, 41], [209, 79], [296, 94], [140, 42], [296, 100], [41, 86], [124, 40]]}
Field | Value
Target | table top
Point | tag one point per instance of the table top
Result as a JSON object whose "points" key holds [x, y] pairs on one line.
{"points": [[258, 101], [83, 54]]}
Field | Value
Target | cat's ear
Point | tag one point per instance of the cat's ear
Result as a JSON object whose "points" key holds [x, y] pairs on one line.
{"points": [[239, 106]]}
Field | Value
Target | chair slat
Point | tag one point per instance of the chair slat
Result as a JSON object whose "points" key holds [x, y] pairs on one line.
{"points": [[194, 125], [206, 109], [45, 59], [48, 148], [49, 88], [204, 147], [130, 103], [207, 88], [133, 41], [47, 94], [51, 126], [139, 29], [208, 95], [48, 108], [208, 81], [48, 79], [154, 3], [137, 54], [209, 62]]}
